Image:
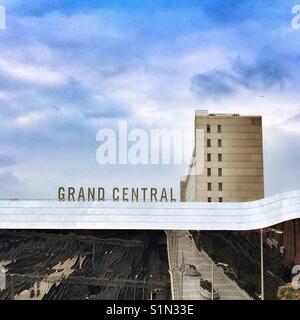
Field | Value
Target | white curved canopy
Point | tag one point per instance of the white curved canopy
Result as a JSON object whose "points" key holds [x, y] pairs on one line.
{"points": [[50, 214]]}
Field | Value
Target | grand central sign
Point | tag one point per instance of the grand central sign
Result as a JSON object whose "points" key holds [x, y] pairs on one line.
{"points": [[125, 194]]}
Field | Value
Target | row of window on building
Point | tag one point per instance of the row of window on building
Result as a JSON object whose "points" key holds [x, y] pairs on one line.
{"points": [[220, 157], [220, 172], [209, 199], [208, 128], [209, 186], [208, 143]]}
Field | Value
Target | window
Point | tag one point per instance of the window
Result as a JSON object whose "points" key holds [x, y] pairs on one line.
{"points": [[219, 157], [219, 128], [209, 186], [220, 186], [208, 157], [208, 172], [220, 143], [209, 199], [208, 128], [208, 143], [220, 172], [220, 199]]}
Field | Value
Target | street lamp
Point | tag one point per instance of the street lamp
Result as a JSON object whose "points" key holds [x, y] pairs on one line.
{"points": [[262, 264], [212, 280]]}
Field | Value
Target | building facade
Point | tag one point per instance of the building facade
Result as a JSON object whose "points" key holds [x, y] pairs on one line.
{"points": [[231, 156]]}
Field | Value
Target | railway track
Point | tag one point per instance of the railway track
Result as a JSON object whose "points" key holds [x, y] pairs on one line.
{"points": [[109, 270]]}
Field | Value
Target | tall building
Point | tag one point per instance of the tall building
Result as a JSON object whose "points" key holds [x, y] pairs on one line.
{"points": [[227, 166], [229, 152]]}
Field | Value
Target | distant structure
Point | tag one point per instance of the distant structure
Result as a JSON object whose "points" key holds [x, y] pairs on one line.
{"points": [[233, 159], [233, 171]]}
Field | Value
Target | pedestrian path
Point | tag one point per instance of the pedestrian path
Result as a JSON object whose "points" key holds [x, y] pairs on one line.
{"points": [[182, 252]]}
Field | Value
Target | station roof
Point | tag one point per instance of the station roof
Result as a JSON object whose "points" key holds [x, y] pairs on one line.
{"points": [[52, 214]]}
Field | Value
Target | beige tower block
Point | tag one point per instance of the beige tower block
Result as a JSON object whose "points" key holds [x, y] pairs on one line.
{"points": [[227, 162]]}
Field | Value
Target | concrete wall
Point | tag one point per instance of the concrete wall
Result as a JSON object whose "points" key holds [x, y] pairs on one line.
{"points": [[241, 149]]}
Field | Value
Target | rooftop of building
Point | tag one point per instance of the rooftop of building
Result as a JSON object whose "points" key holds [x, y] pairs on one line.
{"points": [[205, 113]]}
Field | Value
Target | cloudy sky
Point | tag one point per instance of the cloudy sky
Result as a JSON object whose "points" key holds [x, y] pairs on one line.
{"points": [[69, 68]]}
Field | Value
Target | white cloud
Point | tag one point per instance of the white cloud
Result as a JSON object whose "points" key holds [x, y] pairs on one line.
{"points": [[40, 75]]}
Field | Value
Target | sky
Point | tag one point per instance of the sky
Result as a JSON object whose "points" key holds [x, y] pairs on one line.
{"points": [[71, 68]]}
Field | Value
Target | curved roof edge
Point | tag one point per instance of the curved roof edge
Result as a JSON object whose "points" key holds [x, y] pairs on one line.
{"points": [[47, 214]]}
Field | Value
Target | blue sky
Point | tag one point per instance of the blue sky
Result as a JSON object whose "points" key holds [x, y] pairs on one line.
{"points": [[70, 68]]}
